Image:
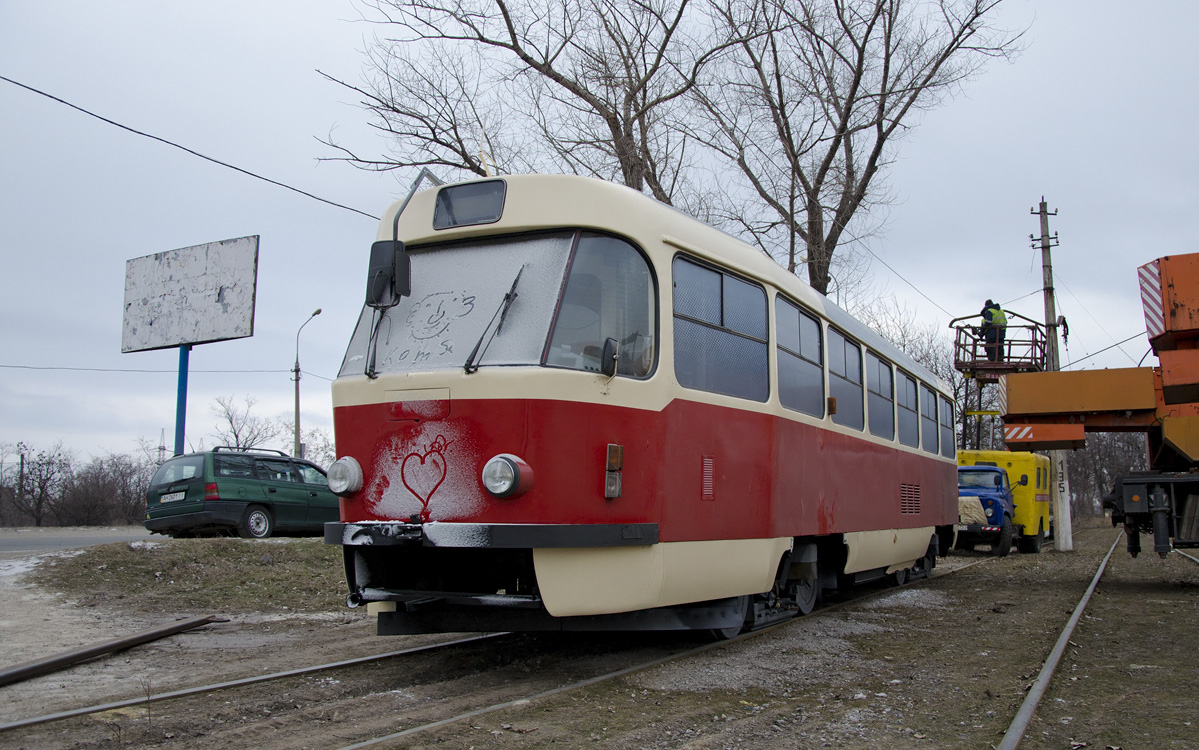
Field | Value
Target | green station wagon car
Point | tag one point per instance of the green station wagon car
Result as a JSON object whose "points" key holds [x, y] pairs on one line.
{"points": [[257, 492]]}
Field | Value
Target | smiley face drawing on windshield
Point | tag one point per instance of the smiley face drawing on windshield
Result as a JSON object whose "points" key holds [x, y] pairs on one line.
{"points": [[431, 317]]}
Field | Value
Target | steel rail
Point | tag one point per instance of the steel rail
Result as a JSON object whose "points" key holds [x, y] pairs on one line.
{"points": [[1192, 558], [823, 610], [236, 683], [1015, 731], [35, 667]]}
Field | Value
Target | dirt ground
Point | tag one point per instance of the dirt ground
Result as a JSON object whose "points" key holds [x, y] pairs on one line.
{"points": [[938, 663]]}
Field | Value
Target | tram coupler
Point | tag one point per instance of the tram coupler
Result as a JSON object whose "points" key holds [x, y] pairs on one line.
{"points": [[1159, 506]]}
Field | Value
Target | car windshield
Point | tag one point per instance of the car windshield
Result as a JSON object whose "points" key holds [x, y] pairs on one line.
{"points": [[984, 479], [178, 469]]}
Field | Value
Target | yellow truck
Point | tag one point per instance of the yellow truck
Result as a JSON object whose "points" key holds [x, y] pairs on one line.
{"points": [[1028, 478]]}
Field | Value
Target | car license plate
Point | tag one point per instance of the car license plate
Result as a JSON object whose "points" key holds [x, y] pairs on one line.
{"points": [[961, 527], [172, 497]]}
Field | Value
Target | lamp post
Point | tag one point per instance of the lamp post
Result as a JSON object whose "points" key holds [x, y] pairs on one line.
{"points": [[296, 371]]}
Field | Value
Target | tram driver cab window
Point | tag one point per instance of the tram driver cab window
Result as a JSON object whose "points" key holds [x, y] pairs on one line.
{"points": [[609, 294]]}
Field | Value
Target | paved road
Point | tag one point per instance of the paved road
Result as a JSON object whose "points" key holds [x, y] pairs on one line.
{"points": [[18, 542]]}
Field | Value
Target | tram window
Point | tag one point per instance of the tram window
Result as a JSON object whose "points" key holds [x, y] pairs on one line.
{"points": [[880, 398], [719, 332], [609, 294], [928, 417], [474, 203], [909, 412], [845, 379], [947, 438], [801, 366]]}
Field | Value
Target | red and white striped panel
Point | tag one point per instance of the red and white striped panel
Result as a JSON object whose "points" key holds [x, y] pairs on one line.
{"points": [[1151, 298], [1002, 395], [1017, 432]]}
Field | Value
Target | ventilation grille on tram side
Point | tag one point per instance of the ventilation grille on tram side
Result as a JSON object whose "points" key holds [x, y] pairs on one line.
{"points": [[909, 499], [708, 478]]}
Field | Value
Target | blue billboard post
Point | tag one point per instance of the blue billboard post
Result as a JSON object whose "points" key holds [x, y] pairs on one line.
{"points": [[181, 399]]}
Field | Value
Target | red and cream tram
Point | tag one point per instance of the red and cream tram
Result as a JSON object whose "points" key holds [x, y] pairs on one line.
{"points": [[568, 406]]}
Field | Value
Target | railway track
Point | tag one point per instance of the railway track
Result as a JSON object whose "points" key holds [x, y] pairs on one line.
{"points": [[525, 686], [644, 650]]}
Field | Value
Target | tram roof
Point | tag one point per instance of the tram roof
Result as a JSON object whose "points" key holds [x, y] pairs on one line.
{"points": [[587, 202]]}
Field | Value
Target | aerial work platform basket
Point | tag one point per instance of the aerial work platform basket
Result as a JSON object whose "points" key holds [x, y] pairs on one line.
{"points": [[1022, 350]]}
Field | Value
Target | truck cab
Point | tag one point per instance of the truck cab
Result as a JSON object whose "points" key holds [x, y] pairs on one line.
{"points": [[986, 509]]}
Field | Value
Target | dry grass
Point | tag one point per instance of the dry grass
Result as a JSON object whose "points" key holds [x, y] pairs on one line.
{"points": [[193, 575]]}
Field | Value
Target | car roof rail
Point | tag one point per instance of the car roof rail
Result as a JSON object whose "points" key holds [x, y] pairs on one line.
{"points": [[249, 450]]}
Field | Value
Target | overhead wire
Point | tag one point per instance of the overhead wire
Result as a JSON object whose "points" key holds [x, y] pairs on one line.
{"points": [[185, 148], [1101, 351], [371, 216], [1058, 280], [904, 280], [143, 370]]}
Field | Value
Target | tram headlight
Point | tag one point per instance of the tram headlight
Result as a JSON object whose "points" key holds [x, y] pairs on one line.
{"points": [[345, 476], [506, 475]]}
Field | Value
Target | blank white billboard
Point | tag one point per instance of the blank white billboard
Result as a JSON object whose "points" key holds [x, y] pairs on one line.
{"points": [[192, 295]]}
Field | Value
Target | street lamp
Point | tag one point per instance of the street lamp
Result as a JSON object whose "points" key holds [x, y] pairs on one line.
{"points": [[296, 452]]}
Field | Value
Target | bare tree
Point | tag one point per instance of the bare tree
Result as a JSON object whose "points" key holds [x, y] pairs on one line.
{"points": [[41, 478], [317, 442], [596, 81], [109, 489], [1093, 470], [239, 427], [817, 93]]}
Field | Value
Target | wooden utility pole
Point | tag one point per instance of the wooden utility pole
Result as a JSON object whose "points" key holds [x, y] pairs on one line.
{"points": [[1059, 478]]}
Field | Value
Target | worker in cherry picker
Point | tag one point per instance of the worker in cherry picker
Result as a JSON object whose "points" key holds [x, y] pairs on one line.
{"points": [[994, 330]]}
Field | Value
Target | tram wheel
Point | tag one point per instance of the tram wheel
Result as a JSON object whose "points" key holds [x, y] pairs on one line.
{"points": [[900, 577], [807, 590], [724, 634]]}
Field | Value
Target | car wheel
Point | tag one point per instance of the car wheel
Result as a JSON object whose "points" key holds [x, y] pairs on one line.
{"points": [[1003, 545], [256, 523], [1032, 544]]}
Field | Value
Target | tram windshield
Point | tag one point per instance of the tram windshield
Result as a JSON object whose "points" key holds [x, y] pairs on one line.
{"points": [[485, 303]]}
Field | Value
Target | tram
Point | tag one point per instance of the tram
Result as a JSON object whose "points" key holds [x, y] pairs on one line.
{"points": [[567, 406]]}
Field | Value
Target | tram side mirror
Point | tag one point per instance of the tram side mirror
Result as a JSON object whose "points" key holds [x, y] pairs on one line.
{"points": [[390, 274], [608, 358]]}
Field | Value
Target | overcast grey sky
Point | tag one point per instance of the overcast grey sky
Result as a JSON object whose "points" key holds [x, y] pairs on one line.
{"points": [[1094, 115]]}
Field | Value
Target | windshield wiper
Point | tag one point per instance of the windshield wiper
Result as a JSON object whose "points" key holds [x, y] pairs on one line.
{"points": [[501, 312]]}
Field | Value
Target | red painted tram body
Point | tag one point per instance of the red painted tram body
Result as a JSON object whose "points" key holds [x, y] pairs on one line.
{"points": [[592, 412]]}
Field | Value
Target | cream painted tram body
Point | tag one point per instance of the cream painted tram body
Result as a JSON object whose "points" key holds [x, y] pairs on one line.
{"points": [[592, 412]]}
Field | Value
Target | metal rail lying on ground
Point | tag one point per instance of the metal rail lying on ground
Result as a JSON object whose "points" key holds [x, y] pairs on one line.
{"points": [[25, 670]]}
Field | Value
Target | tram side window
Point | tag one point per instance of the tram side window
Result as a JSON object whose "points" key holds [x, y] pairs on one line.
{"points": [[947, 438], [909, 412], [928, 417], [880, 397], [845, 379], [719, 332], [609, 294], [801, 361]]}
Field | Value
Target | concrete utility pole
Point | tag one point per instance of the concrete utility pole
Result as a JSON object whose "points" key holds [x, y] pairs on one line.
{"points": [[1059, 478]]}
